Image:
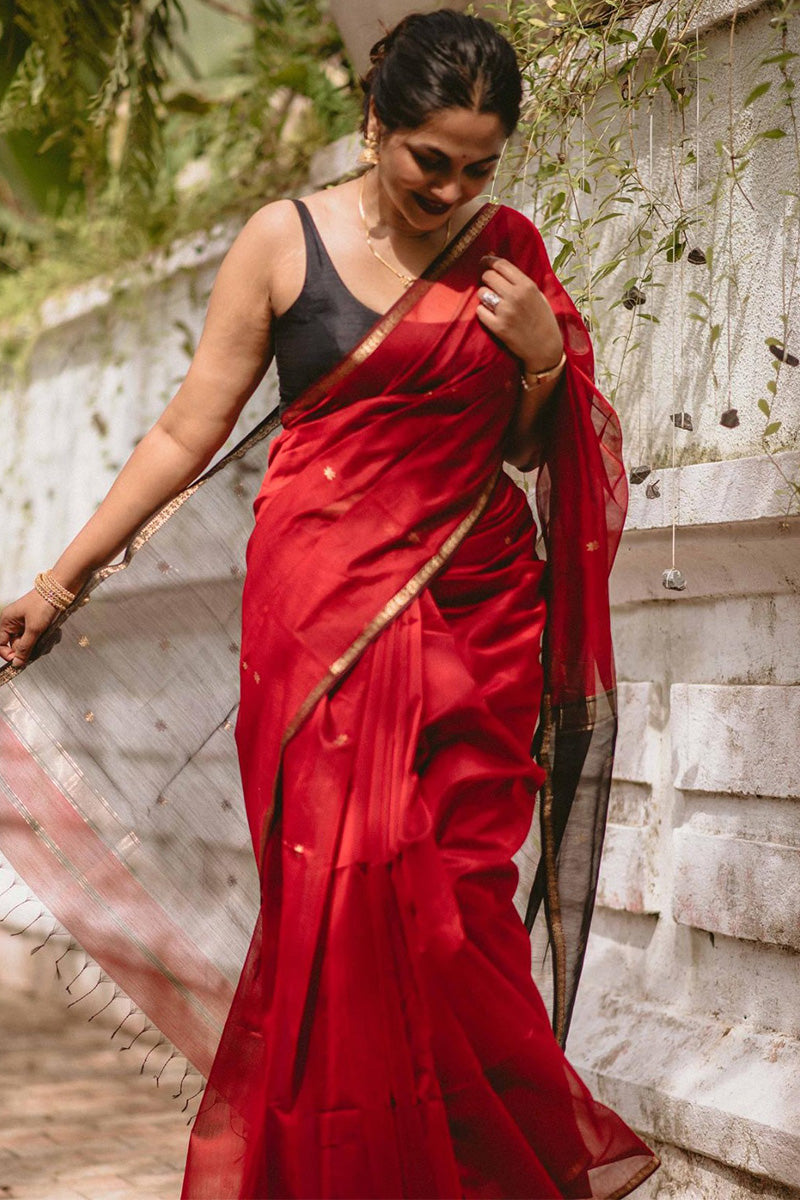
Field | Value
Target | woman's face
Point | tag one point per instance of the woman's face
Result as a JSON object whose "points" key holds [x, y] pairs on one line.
{"points": [[427, 173]]}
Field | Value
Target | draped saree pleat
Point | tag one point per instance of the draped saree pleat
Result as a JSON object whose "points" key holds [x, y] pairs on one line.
{"points": [[386, 1038]]}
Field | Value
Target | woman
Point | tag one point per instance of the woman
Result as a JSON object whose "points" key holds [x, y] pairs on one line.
{"points": [[386, 1038]]}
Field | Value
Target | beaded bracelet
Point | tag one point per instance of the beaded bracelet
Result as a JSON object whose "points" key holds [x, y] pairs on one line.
{"points": [[52, 591], [539, 377]]}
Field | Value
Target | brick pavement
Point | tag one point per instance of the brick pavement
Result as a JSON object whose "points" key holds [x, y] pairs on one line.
{"points": [[78, 1121]]}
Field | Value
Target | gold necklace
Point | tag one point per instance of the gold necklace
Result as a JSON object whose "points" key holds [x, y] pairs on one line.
{"points": [[406, 280]]}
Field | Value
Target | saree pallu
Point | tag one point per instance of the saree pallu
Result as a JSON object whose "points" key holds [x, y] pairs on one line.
{"points": [[385, 1038]]}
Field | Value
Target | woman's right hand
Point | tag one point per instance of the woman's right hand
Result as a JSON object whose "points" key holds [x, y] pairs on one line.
{"points": [[22, 624]]}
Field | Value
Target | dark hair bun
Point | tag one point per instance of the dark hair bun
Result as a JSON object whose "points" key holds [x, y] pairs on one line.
{"points": [[444, 59]]}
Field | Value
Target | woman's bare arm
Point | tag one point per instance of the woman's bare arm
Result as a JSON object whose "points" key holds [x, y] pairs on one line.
{"points": [[232, 356]]}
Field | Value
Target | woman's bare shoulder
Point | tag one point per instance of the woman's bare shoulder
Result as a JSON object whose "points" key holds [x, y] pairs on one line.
{"points": [[270, 230]]}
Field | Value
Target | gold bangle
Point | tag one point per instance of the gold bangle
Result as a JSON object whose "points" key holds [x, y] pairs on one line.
{"points": [[537, 378], [52, 591]]}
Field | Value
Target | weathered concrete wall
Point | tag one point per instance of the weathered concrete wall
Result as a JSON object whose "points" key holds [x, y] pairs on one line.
{"points": [[689, 1019], [88, 383]]}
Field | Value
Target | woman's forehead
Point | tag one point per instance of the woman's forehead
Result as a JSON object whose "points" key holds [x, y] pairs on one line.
{"points": [[459, 133]]}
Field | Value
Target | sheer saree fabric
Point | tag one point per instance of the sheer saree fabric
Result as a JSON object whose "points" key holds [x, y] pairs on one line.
{"points": [[385, 1038]]}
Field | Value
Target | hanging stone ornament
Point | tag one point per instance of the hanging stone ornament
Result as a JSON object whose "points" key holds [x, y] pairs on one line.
{"points": [[697, 256], [673, 580], [682, 420], [653, 490], [633, 296], [639, 474], [730, 418], [783, 355]]}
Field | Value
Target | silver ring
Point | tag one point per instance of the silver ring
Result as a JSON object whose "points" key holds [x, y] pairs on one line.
{"points": [[490, 300]]}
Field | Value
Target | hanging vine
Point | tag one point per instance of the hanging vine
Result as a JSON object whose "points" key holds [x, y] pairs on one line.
{"points": [[636, 159]]}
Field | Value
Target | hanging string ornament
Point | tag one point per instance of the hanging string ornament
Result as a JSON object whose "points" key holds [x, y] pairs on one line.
{"points": [[730, 417], [638, 474], [633, 296], [672, 579]]}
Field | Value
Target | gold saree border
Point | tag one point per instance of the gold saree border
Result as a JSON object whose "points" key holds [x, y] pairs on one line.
{"points": [[646, 1171], [400, 309], [150, 527], [390, 611]]}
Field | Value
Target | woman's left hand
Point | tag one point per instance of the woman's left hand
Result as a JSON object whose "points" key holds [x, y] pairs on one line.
{"points": [[522, 319]]}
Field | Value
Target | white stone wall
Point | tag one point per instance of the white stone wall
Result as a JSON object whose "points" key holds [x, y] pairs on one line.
{"points": [[688, 1019], [89, 382]]}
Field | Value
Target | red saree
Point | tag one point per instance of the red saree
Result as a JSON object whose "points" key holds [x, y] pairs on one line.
{"points": [[386, 1038]]}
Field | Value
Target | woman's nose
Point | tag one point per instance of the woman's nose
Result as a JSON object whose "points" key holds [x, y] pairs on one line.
{"points": [[448, 191]]}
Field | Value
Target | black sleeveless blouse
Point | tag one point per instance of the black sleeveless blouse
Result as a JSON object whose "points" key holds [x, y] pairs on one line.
{"points": [[325, 322]]}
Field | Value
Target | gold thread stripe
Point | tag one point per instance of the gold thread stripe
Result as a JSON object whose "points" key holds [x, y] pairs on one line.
{"points": [[636, 1179], [397, 312], [86, 887], [150, 527], [159, 519], [400, 600]]}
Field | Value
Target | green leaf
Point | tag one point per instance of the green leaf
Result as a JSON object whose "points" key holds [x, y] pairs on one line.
{"points": [[764, 406], [565, 253], [713, 334], [658, 38], [760, 89], [772, 386], [773, 133], [773, 427]]}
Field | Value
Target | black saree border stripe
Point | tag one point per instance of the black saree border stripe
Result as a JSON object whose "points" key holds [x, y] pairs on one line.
{"points": [[400, 309], [150, 527], [580, 716], [390, 611], [558, 946]]}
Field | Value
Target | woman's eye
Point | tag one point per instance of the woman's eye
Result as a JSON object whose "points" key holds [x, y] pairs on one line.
{"points": [[427, 164], [479, 172]]}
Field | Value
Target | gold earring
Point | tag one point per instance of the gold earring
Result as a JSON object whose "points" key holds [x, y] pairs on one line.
{"points": [[369, 155]]}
